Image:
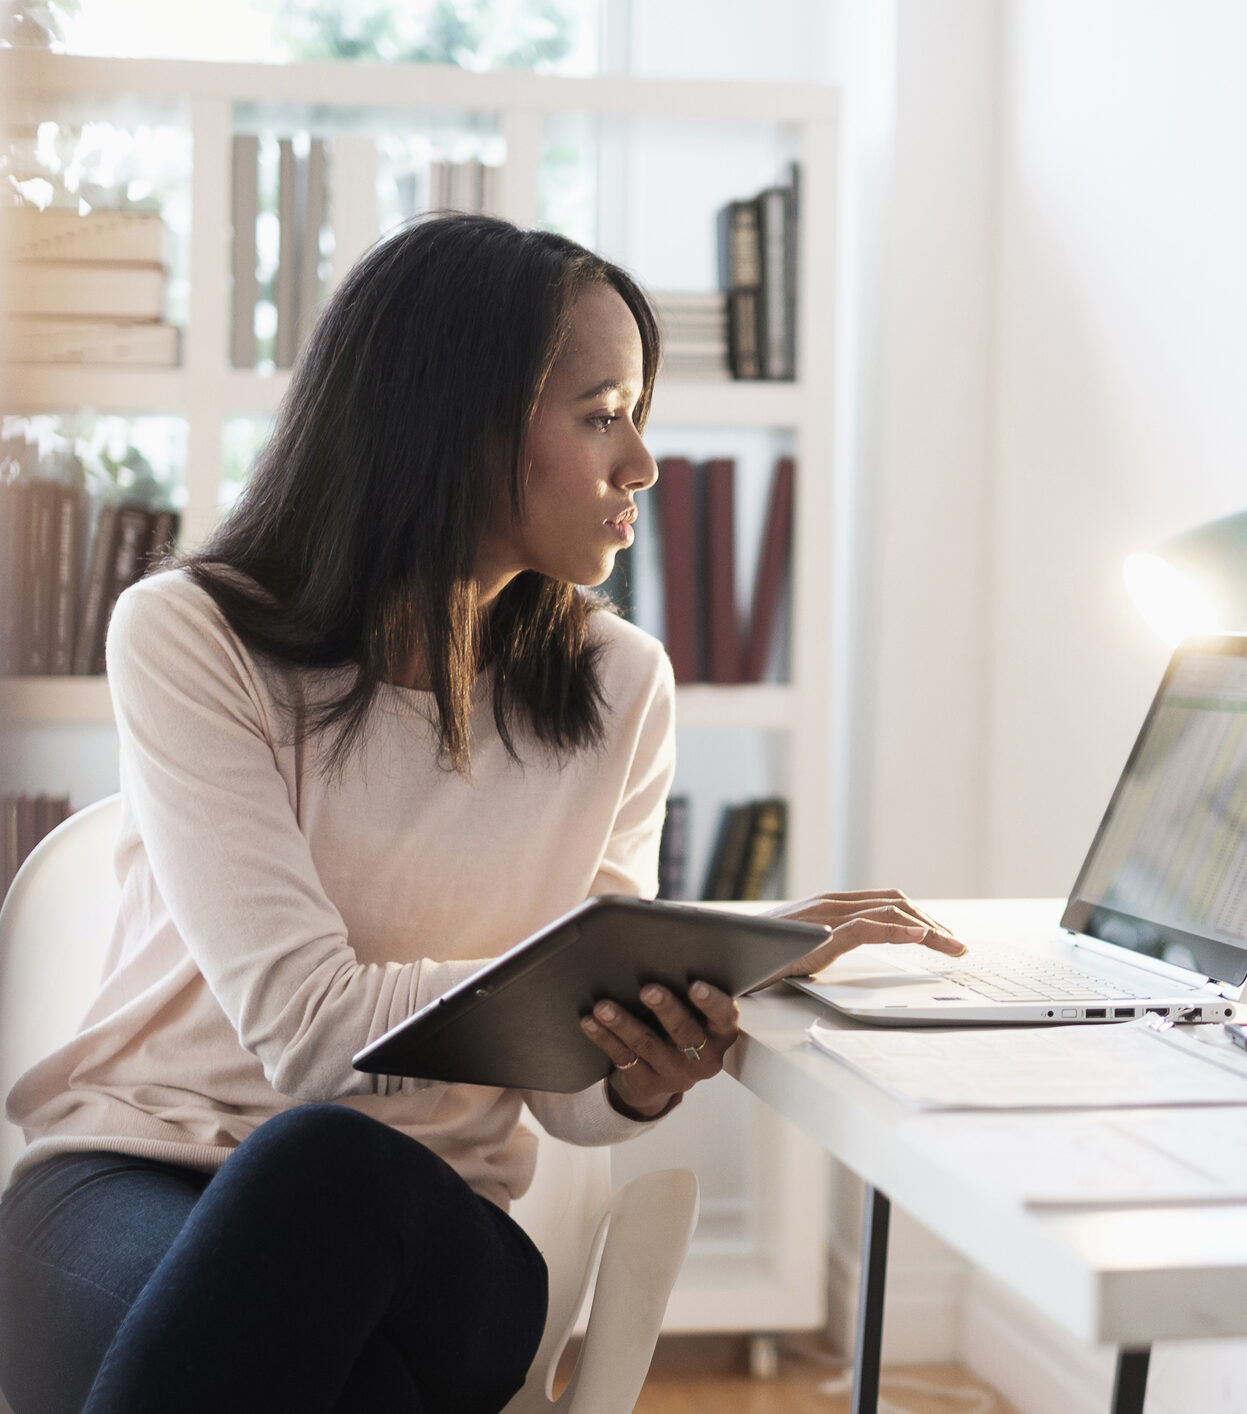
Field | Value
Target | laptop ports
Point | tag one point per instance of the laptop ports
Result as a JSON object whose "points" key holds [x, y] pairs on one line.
{"points": [[1096, 1013], [1120, 1011]]}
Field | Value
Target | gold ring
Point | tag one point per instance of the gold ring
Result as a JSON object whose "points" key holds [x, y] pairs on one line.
{"points": [[629, 1065]]}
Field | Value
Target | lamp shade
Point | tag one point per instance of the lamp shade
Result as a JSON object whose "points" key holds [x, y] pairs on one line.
{"points": [[1195, 582]]}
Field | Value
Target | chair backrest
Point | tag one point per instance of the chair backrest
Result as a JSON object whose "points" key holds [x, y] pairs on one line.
{"points": [[55, 925]]}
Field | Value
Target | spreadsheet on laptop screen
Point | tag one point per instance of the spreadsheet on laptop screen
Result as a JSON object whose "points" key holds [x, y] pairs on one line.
{"points": [[1167, 874]]}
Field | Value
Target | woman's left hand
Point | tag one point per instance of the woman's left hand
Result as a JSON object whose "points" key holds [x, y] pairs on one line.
{"points": [[651, 1069]]}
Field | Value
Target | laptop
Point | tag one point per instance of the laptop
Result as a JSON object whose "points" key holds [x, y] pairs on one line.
{"points": [[1157, 918]]}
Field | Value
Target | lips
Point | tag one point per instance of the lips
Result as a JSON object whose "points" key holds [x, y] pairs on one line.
{"points": [[625, 517]]}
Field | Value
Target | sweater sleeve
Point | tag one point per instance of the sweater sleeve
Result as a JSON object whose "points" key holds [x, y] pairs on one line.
{"points": [[199, 737], [629, 865]]}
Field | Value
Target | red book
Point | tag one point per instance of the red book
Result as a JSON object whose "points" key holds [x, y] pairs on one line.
{"points": [[773, 561], [678, 513], [724, 654]]}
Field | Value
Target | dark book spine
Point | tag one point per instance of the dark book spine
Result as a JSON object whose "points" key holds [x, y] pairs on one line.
{"points": [[164, 537], [673, 850], [134, 528], [728, 856], [777, 284], [772, 572], [679, 512], [70, 514], [740, 278], [724, 657], [766, 838], [95, 594], [39, 577]]}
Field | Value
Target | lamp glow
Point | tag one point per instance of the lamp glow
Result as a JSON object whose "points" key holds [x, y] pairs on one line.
{"points": [[1172, 607], [1195, 582]]}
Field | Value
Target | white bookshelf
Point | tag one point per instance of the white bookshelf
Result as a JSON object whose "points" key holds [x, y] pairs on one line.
{"points": [[765, 1277]]}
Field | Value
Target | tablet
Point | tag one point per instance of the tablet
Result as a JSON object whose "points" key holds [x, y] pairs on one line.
{"points": [[516, 1022]]}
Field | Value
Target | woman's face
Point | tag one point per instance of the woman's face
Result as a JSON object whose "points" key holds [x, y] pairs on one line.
{"points": [[584, 459]]}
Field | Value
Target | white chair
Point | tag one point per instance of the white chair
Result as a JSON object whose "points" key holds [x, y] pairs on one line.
{"points": [[626, 1246]]}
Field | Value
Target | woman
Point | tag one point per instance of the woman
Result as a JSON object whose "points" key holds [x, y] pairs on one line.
{"points": [[372, 734]]}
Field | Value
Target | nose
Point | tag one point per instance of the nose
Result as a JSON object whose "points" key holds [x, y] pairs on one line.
{"points": [[636, 469]]}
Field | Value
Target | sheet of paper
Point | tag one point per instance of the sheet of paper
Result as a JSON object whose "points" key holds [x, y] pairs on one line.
{"points": [[1051, 1067], [1142, 1157]]}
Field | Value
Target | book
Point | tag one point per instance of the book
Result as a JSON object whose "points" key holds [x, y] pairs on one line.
{"points": [[310, 216], [679, 514], [12, 539], [771, 577], [673, 849], [131, 537], [727, 858], [68, 538], [245, 206], [767, 827], [286, 282], [777, 283], [24, 821], [129, 237], [52, 339], [38, 575], [85, 290], [724, 656], [740, 278], [166, 524]]}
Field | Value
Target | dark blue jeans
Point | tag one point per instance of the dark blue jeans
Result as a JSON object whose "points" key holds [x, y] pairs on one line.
{"points": [[331, 1264]]}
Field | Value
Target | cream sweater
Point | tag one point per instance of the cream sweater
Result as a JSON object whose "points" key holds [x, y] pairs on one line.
{"points": [[274, 921]]}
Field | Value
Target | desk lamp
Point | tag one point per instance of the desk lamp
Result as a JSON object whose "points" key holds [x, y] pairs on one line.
{"points": [[1195, 582]]}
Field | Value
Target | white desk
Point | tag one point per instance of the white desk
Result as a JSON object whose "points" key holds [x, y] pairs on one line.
{"points": [[1125, 1277]]}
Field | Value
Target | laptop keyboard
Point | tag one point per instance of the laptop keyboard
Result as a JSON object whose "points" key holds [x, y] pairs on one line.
{"points": [[1013, 976]]}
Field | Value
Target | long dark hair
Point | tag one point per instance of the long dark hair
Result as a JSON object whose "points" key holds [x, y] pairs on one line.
{"points": [[402, 429]]}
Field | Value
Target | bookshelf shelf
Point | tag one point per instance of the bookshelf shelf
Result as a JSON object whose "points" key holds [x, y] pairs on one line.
{"points": [[56, 701]]}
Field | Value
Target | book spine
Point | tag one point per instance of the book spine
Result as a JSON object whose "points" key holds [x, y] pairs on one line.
{"points": [[90, 624], [772, 573], [8, 841], [68, 560], [39, 578], [763, 848], [83, 290], [286, 285], [245, 210], [740, 278], [312, 218], [679, 515], [55, 340], [165, 527], [728, 857], [673, 850], [133, 536], [12, 540], [775, 341], [723, 639], [133, 237]]}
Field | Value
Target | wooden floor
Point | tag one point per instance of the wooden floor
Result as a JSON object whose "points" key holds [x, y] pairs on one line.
{"points": [[699, 1375]]}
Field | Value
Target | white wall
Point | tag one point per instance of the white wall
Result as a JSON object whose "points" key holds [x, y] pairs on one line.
{"points": [[1121, 364]]}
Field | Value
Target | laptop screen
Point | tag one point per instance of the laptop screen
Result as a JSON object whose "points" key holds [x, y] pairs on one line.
{"points": [[1167, 872]]}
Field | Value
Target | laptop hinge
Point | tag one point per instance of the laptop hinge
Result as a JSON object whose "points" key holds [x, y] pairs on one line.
{"points": [[1156, 965]]}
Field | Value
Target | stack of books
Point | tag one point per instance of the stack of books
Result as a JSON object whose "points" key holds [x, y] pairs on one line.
{"points": [[64, 561], [758, 274], [694, 328], [24, 820], [86, 288]]}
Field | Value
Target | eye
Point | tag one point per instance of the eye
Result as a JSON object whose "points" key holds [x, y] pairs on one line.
{"points": [[602, 420]]}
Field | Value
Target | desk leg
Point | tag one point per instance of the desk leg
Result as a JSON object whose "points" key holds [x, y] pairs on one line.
{"points": [[870, 1303], [1130, 1385]]}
